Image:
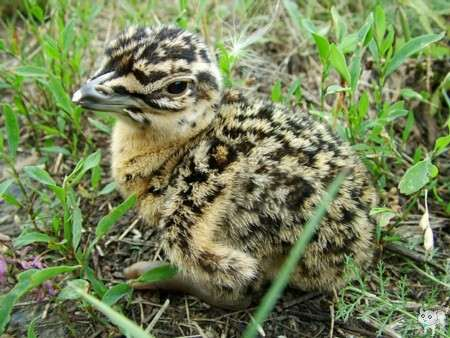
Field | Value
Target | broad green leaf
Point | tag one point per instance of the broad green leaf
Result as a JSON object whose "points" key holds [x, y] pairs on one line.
{"points": [[39, 174], [388, 41], [59, 192], [395, 111], [373, 49], [55, 150], [129, 328], [159, 273], [323, 46], [416, 177], [339, 25], [277, 96], [411, 47], [60, 95], [31, 332], [50, 47], [301, 22], [424, 12], [409, 93], [384, 215], [109, 220], [294, 13], [77, 220], [117, 292], [295, 89], [96, 176], [68, 294], [36, 10], [83, 166], [365, 32], [31, 71], [68, 35], [380, 24], [441, 144], [333, 89], [12, 130], [337, 60], [107, 189], [291, 262], [32, 237], [100, 125], [10, 199], [92, 160], [37, 277], [408, 126], [4, 85], [4, 186], [355, 69], [27, 281], [363, 105], [349, 43], [98, 285], [434, 171]]}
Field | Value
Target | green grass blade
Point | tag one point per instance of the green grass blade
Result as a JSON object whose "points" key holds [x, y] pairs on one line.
{"points": [[416, 177], [109, 220], [323, 46], [126, 326], [28, 281], [12, 130], [337, 60], [411, 47], [157, 274], [115, 293], [39, 174], [31, 71], [380, 24], [32, 237], [270, 298], [31, 332], [77, 226]]}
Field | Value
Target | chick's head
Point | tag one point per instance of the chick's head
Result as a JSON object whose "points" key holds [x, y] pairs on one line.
{"points": [[160, 76]]}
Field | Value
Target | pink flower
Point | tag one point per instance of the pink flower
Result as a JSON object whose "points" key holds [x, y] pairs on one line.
{"points": [[47, 287], [3, 269], [36, 263], [50, 290]]}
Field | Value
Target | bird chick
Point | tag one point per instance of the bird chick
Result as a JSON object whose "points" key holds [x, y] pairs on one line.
{"points": [[228, 182]]}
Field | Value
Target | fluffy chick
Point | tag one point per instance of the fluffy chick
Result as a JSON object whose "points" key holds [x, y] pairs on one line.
{"points": [[228, 182]]}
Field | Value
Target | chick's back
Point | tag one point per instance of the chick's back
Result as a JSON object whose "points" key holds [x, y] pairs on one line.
{"points": [[252, 180]]}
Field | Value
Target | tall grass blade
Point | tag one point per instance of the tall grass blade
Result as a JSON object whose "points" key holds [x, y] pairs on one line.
{"points": [[28, 281], [109, 220], [12, 130], [411, 47], [126, 326], [270, 298]]}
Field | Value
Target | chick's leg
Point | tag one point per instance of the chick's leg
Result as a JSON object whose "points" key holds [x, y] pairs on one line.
{"points": [[182, 282]]}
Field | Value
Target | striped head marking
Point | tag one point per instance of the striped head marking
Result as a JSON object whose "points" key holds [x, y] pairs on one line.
{"points": [[150, 74]]}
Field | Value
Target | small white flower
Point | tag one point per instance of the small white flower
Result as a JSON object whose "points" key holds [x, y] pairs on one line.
{"points": [[428, 242], [425, 221]]}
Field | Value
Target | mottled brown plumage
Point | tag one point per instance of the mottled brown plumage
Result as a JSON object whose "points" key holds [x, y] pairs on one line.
{"points": [[227, 181]]}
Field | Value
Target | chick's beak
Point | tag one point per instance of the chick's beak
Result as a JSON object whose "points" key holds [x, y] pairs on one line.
{"points": [[93, 95]]}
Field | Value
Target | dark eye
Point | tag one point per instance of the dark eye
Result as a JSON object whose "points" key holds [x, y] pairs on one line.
{"points": [[429, 317], [423, 316], [177, 87]]}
